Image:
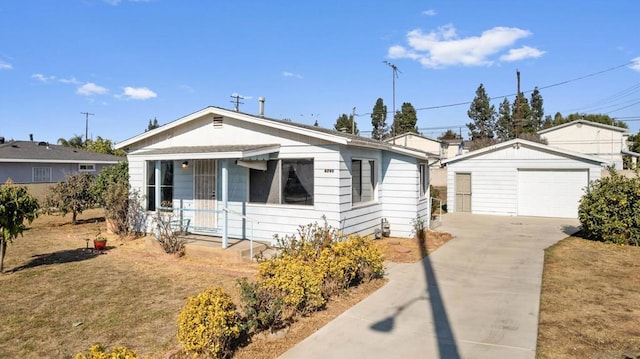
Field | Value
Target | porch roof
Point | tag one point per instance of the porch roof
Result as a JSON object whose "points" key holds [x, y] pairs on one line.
{"points": [[248, 152]]}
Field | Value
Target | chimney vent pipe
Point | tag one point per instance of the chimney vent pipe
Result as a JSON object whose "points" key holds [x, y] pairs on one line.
{"points": [[31, 137], [261, 108]]}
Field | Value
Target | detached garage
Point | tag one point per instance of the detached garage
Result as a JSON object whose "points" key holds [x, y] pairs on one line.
{"points": [[520, 178]]}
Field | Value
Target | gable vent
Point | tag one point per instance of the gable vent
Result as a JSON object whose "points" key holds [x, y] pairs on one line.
{"points": [[217, 121]]}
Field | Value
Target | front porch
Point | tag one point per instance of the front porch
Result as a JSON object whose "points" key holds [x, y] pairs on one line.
{"points": [[211, 247]]}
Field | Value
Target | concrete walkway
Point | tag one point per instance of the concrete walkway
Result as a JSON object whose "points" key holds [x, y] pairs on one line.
{"points": [[475, 297]]}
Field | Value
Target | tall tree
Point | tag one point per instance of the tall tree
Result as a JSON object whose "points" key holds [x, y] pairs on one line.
{"points": [[521, 112], [346, 123], [17, 207], [504, 125], [152, 124], [406, 119], [379, 121], [483, 115], [537, 109], [75, 141]]}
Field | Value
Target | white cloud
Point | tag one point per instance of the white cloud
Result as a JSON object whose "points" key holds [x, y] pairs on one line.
{"points": [[635, 64], [72, 81], [443, 47], [291, 74], [429, 12], [5, 66], [117, 2], [43, 78], [90, 89], [138, 93], [522, 53]]}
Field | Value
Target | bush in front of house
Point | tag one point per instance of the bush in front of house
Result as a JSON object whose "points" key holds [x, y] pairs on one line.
{"points": [[610, 209], [99, 352], [209, 324]]}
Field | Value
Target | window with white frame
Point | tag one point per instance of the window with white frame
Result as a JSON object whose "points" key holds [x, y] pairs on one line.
{"points": [[363, 180], [86, 167], [424, 179], [286, 181], [166, 184], [41, 174]]}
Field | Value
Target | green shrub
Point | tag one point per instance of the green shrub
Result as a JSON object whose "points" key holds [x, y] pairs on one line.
{"points": [[98, 352], [208, 324], [262, 307], [610, 209]]}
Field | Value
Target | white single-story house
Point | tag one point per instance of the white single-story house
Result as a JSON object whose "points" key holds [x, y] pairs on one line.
{"points": [[238, 175], [441, 149], [591, 138], [520, 178]]}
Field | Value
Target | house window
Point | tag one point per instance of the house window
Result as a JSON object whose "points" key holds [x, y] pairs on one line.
{"points": [[287, 181], [424, 179], [41, 174], [166, 184], [363, 181], [86, 167]]}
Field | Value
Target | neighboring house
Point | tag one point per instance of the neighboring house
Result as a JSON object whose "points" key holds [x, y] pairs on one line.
{"points": [[522, 178], [243, 176], [591, 138], [40, 164], [442, 149]]}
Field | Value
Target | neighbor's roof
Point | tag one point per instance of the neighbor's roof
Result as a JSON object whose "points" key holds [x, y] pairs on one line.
{"points": [[584, 122], [529, 144], [43, 152], [288, 126], [412, 134]]}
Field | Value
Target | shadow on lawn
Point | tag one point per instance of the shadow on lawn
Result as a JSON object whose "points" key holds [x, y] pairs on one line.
{"points": [[59, 257]]}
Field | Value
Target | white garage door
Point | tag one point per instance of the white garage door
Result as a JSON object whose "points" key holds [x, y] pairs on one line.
{"points": [[550, 193]]}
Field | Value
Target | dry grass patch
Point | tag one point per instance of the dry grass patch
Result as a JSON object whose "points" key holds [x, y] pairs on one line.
{"points": [[590, 303], [58, 298], [408, 250]]}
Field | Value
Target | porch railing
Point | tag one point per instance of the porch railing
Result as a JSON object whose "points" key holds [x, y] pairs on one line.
{"points": [[248, 219]]}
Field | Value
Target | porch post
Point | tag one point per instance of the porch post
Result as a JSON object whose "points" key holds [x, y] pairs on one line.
{"points": [[158, 194], [225, 202]]}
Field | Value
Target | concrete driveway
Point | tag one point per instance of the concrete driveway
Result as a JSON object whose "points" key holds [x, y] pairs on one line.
{"points": [[477, 296]]}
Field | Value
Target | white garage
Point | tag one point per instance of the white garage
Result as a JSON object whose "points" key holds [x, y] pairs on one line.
{"points": [[520, 178]]}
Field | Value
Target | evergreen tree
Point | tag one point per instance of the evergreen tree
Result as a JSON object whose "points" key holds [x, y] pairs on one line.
{"points": [[504, 125], [522, 115], [406, 119], [450, 135], [152, 125], [483, 115], [344, 123], [379, 121], [537, 109]]}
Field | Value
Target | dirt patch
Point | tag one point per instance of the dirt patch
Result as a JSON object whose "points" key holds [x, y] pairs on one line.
{"points": [[590, 303], [61, 296]]}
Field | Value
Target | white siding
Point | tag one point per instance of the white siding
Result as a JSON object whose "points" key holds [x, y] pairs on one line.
{"points": [[494, 176], [400, 193]]}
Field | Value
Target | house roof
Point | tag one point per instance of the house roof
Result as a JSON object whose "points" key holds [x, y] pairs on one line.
{"points": [[390, 139], [529, 144], [288, 126], [584, 122], [43, 152]]}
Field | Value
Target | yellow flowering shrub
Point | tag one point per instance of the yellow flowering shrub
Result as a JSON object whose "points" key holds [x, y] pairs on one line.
{"points": [[98, 352], [208, 324]]}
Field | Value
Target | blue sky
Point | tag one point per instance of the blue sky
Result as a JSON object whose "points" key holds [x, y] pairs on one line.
{"points": [[130, 61]]}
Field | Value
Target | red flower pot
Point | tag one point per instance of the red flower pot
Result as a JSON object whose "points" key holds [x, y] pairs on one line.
{"points": [[99, 244]]}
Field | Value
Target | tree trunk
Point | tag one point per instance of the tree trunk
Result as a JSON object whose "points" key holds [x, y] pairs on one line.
{"points": [[73, 218], [3, 250]]}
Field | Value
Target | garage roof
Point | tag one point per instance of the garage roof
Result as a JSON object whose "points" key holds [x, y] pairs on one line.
{"points": [[534, 145]]}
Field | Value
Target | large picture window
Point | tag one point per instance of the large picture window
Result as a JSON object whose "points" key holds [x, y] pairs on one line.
{"points": [[287, 181], [166, 184], [363, 181]]}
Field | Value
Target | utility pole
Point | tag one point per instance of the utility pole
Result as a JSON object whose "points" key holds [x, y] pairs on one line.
{"points": [[518, 106], [237, 102], [353, 121], [86, 125], [393, 104]]}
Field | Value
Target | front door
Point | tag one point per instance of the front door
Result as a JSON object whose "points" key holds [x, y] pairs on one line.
{"points": [[463, 192], [204, 176]]}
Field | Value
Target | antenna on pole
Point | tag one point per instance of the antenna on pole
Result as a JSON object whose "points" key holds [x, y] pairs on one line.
{"points": [[518, 106], [353, 121], [86, 125], [237, 101], [395, 75]]}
